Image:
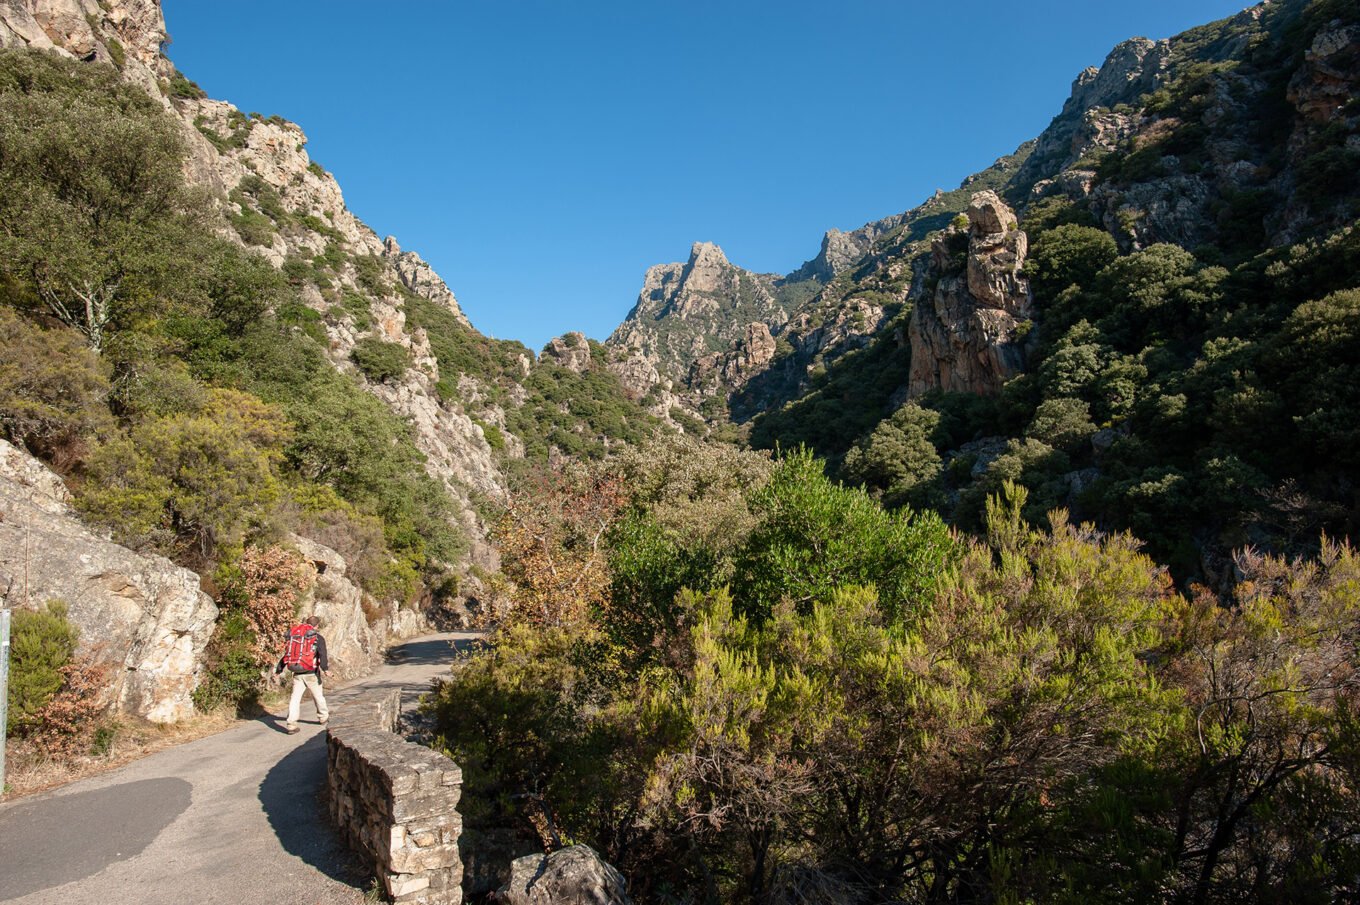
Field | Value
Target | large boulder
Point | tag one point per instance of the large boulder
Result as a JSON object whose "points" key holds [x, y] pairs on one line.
{"points": [[575, 874], [143, 615]]}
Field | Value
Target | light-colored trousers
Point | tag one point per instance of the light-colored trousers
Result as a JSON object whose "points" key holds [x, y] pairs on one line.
{"points": [[309, 682]]}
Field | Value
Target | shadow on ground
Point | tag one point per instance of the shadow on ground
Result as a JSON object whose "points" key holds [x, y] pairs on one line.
{"points": [[434, 650], [293, 800], [36, 845]]}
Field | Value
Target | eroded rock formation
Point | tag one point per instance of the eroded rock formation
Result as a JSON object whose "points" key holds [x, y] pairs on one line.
{"points": [[687, 311], [966, 334]]}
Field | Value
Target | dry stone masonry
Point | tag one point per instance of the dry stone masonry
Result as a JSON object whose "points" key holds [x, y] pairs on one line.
{"points": [[395, 802]]}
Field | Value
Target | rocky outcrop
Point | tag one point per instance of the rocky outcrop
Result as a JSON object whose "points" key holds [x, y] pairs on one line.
{"points": [[571, 351], [420, 278], [1132, 69], [143, 615], [1329, 78], [343, 609], [842, 250], [748, 355], [966, 335], [575, 874]]}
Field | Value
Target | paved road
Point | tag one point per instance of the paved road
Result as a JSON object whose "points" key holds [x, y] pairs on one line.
{"points": [[232, 819]]}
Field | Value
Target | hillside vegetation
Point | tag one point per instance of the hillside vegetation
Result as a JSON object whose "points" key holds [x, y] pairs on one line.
{"points": [[743, 682], [1190, 368]]}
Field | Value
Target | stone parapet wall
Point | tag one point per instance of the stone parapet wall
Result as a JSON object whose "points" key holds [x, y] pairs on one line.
{"points": [[395, 802]]}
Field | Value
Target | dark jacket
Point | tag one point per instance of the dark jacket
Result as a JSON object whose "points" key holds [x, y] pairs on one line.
{"points": [[322, 664]]}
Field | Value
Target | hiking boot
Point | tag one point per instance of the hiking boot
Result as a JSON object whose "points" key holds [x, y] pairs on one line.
{"points": [[292, 730], [324, 719]]}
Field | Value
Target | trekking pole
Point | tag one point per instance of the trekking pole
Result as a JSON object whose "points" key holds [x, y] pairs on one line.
{"points": [[4, 692]]}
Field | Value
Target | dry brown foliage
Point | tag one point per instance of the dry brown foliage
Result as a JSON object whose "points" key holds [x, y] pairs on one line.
{"points": [[273, 580], [67, 723], [551, 540]]}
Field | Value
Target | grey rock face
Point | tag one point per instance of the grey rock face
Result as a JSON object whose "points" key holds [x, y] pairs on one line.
{"points": [[964, 335], [841, 250], [1329, 77], [420, 278], [142, 614], [687, 311], [1133, 68], [570, 350], [570, 875], [748, 356]]}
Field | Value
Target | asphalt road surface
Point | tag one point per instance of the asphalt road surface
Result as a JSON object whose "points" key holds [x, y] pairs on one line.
{"points": [[233, 819]]}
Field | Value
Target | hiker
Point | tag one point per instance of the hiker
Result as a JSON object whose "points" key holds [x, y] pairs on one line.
{"points": [[305, 654]]}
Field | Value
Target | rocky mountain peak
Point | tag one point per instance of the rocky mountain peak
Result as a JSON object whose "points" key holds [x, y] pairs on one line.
{"points": [[707, 254]]}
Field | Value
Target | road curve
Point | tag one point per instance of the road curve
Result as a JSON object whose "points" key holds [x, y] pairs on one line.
{"points": [[231, 819]]}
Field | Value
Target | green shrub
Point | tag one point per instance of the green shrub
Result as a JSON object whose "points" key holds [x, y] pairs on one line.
{"points": [[41, 643], [369, 271], [116, 52], [253, 227], [52, 387], [380, 360], [181, 87], [231, 672]]}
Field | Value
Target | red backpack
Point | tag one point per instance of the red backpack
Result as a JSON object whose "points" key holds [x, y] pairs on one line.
{"points": [[300, 654]]}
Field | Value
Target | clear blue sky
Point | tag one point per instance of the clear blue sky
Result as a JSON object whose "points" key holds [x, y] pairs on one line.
{"points": [[541, 154]]}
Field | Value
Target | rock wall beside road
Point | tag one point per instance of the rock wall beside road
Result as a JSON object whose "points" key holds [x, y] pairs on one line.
{"points": [[395, 802]]}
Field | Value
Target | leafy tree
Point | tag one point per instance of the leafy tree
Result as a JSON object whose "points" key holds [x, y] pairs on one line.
{"points": [[95, 216], [899, 456], [204, 479], [1316, 357], [1062, 423], [1066, 256], [815, 535]]}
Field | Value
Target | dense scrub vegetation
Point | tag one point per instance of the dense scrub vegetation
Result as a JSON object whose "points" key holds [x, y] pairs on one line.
{"points": [[741, 681]]}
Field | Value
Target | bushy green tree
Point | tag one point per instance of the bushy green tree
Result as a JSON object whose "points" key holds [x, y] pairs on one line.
{"points": [[202, 479], [1062, 422], [899, 456], [1066, 256], [95, 216]]}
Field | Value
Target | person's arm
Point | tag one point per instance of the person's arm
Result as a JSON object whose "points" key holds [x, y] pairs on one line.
{"points": [[322, 663]]}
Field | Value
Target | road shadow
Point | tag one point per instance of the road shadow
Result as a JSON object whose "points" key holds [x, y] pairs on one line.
{"points": [[431, 651], [292, 795], [40, 849]]}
